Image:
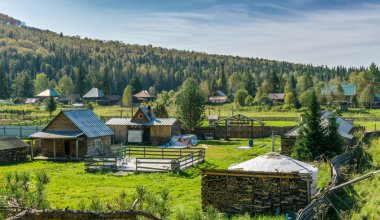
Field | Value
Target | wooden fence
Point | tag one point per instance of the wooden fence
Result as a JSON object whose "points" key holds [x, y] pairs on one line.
{"points": [[100, 164], [317, 209], [154, 159]]}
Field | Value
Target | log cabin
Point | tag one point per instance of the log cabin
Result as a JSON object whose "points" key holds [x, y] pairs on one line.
{"points": [[144, 127], [74, 134]]}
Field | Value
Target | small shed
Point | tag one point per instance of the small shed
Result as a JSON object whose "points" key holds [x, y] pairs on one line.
{"points": [[145, 96], [12, 149], [74, 134], [144, 127], [277, 97], [212, 119], [32, 101], [268, 184], [219, 97], [238, 126], [276, 163]]}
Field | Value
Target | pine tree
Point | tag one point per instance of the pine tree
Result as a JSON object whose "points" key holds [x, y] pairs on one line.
{"points": [[222, 82], [334, 142], [311, 139], [249, 84], [190, 105], [136, 84], [80, 86], [51, 106], [274, 82], [3, 83]]}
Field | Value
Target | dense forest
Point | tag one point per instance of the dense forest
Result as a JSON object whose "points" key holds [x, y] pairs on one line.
{"points": [[26, 52]]}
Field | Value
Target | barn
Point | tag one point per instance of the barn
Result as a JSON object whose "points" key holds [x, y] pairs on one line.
{"points": [[73, 134], [12, 149], [144, 127]]}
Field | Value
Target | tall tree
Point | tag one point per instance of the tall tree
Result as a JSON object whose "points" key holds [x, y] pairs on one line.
{"points": [[127, 96], [23, 86], [3, 83], [240, 97], [65, 86], [372, 76], [249, 83], [79, 82], [274, 82], [105, 79], [222, 81], [311, 137], [136, 84], [334, 142], [41, 83], [190, 105], [51, 106]]}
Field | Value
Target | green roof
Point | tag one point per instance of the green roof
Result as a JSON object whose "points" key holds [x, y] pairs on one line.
{"points": [[348, 89]]}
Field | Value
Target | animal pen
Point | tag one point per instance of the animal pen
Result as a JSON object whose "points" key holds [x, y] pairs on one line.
{"points": [[148, 159]]}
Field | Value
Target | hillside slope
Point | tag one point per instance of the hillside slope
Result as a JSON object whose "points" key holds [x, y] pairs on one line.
{"points": [[110, 65]]}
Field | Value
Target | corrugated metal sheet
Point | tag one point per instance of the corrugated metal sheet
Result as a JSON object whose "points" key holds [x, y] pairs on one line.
{"points": [[11, 143], [348, 89], [88, 123], [94, 93], [127, 121], [56, 135]]}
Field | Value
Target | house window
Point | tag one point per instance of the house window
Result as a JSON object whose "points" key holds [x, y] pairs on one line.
{"points": [[140, 116]]}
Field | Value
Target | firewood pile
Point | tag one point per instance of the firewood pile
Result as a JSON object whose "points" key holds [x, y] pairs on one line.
{"points": [[235, 192]]}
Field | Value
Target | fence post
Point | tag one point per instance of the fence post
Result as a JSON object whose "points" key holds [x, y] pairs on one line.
{"points": [[20, 132], [4, 130], [180, 152], [162, 152]]}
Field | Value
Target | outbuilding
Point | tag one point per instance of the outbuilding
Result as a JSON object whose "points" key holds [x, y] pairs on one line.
{"points": [[268, 184], [144, 127], [12, 149], [74, 134]]}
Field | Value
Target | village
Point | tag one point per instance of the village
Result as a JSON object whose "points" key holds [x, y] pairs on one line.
{"points": [[237, 164], [189, 110]]}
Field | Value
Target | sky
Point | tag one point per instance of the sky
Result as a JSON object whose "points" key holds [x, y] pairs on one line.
{"points": [[318, 32]]}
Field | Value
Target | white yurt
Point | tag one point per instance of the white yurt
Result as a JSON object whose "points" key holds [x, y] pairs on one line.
{"points": [[275, 162]]}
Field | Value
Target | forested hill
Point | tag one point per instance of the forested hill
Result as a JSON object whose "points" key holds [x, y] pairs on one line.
{"points": [[110, 65]]}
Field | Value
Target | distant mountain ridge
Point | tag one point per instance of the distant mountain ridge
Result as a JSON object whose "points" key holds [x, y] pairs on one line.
{"points": [[111, 65]]}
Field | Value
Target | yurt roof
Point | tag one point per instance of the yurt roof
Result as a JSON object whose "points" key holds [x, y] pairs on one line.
{"points": [[274, 162]]}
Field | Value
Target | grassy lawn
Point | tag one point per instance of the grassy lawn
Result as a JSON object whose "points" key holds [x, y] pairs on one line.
{"points": [[70, 184]]}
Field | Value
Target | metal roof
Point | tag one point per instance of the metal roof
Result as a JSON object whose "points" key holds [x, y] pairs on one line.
{"points": [[276, 96], [94, 93], [274, 162], [48, 93], [348, 89], [155, 121], [344, 128], [56, 135], [89, 123], [148, 112], [11, 143], [144, 94]]}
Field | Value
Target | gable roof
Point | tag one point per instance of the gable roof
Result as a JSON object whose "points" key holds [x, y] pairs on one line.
{"points": [[94, 93], [344, 128], [87, 122], [276, 96], [348, 89], [128, 121], [48, 93], [144, 94], [11, 143]]}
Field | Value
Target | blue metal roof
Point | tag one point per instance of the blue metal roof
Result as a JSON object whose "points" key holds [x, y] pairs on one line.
{"points": [[89, 123], [348, 89]]}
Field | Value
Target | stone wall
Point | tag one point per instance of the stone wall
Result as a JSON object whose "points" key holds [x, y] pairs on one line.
{"points": [[239, 192], [13, 155]]}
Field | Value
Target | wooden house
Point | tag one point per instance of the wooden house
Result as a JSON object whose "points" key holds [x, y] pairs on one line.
{"points": [[12, 149], [145, 96], [73, 134], [277, 98], [69, 99], [46, 94], [144, 127], [219, 97]]}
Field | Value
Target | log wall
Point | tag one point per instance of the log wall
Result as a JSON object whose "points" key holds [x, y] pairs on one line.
{"points": [[238, 192], [13, 155]]}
